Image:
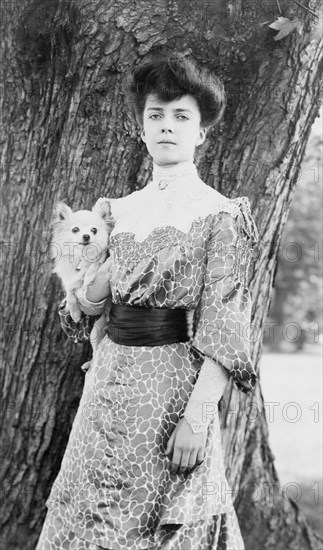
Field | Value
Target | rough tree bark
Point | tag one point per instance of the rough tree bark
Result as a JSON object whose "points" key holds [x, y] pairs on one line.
{"points": [[69, 137]]}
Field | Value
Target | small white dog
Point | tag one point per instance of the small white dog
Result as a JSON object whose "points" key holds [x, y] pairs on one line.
{"points": [[79, 245]]}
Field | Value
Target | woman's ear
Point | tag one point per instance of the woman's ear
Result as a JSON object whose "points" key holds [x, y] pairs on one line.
{"points": [[201, 137], [142, 135]]}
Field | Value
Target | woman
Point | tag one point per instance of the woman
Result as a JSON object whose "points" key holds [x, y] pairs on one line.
{"points": [[143, 468]]}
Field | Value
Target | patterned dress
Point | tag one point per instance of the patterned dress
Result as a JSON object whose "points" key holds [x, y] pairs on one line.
{"points": [[176, 243]]}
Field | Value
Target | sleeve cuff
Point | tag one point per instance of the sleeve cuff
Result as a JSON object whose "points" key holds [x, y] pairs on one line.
{"points": [[207, 392]]}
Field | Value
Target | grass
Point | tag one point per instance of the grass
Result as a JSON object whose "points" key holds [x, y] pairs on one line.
{"points": [[291, 383]]}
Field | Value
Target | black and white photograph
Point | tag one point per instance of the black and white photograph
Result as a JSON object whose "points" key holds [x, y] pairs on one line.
{"points": [[161, 285]]}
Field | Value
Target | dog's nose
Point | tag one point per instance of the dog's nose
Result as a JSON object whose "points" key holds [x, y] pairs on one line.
{"points": [[86, 237]]}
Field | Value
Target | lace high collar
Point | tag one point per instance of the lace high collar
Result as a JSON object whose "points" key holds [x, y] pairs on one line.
{"points": [[175, 178]]}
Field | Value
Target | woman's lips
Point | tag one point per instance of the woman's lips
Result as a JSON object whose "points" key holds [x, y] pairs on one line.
{"points": [[166, 143]]}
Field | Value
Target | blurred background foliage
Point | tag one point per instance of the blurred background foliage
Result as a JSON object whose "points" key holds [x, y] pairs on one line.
{"points": [[291, 366], [295, 314]]}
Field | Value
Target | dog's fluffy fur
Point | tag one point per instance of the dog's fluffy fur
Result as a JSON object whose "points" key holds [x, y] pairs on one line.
{"points": [[79, 244]]}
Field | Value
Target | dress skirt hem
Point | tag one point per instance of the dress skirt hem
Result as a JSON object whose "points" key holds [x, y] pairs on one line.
{"points": [[215, 532]]}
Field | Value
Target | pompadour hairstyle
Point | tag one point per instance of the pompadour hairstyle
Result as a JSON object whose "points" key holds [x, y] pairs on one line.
{"points": [[172, 76]]}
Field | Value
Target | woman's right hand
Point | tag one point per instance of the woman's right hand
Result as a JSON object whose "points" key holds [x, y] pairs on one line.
{"points": [[185, 449], [100, 288]]}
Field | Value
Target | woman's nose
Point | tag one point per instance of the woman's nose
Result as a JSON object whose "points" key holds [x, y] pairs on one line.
{"points": [[167, 125], [167, 128]]}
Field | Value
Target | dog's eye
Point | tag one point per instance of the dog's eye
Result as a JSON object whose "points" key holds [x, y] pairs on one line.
{"points": [[75, 229], [94, 230]]}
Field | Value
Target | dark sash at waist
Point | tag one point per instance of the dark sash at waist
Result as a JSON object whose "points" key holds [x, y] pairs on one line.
{"points": [[147, 326]]}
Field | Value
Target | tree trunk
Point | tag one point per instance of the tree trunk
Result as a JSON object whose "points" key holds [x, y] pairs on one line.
{"points": [[69, 137]]}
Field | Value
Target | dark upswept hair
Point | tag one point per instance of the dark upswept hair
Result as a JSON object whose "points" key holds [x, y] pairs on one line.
{"points": [[170, 77]]}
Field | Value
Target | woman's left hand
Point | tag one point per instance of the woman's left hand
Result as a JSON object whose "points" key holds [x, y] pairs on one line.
{"points": [[187, 448]]}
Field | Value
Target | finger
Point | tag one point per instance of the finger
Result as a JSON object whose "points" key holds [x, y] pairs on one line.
{"points": [[176, 461], [183, 465], [200, 457], [192, 461], [170, 444]]}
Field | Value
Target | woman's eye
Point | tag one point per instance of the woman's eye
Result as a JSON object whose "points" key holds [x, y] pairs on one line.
{"points": [[179, 116], [94, 230], [75, 229]]}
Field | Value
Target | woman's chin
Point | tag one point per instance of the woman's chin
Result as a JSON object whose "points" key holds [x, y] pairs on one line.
{"points": [[167, 163], [166, 159]]}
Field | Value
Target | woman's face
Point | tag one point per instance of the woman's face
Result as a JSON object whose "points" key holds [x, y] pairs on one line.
{"points": [[178, 123]]}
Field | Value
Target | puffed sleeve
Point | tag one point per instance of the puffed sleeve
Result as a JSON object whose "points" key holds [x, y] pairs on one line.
{"points": [[77, 332], [224, 313], [90, 312]]}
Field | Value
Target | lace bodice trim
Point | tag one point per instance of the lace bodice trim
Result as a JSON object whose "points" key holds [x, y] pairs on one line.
{"points": [[164, 214], [129, 250]]}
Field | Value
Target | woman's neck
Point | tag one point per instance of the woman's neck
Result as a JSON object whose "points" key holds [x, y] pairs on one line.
{"points": [[182, 169]]}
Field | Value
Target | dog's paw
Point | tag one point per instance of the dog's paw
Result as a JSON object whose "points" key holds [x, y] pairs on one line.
{"points": [[85, 367], [75, 313], [88, 279], [76, 317], [91, 274]]}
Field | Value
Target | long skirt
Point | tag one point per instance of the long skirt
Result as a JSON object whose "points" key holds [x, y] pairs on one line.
{"points": [[115, 490]]}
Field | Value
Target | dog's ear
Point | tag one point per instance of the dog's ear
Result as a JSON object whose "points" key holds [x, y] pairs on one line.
{"points": [[61, 212], [102, 207]]}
